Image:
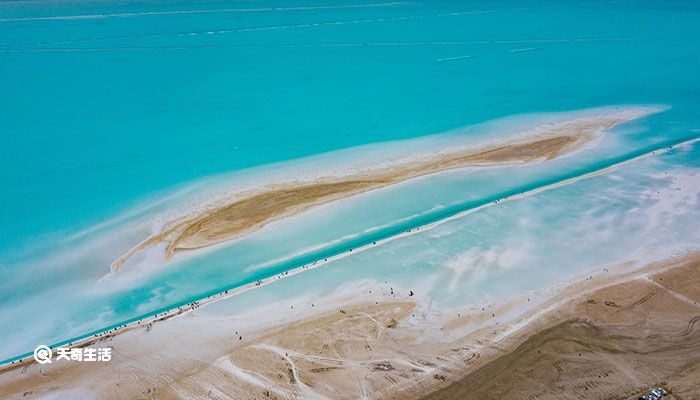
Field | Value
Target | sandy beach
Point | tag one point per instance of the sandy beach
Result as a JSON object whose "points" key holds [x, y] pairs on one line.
{"points": [[236, 217], [610, 334]]}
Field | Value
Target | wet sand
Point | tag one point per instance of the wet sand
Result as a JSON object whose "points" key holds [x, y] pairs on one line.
{"points": [[241, 216], [608, 335]]}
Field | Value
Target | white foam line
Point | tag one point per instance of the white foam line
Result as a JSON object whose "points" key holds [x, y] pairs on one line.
{"points": [[453, 58], [312, 24], [277, 27], [242, 10], [485, 41], [11, 49], [207, 11], [386, 19], [525, 50]]}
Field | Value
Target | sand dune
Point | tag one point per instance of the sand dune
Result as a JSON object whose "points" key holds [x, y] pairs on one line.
{"points": [[614, 343], [241, 216]]}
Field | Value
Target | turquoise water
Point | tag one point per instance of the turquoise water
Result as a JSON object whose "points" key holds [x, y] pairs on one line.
{"points": [[634, 214], [104, 117]]}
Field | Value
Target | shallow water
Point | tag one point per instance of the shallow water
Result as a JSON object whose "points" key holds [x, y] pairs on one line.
{"points": [[637, 214], [110, 122]]}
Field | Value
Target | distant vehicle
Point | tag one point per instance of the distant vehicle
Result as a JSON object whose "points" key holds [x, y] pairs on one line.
{"points": [[655, 394]]}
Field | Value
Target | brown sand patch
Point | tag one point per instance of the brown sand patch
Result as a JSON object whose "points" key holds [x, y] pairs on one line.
{"points": [[612, 344], [683, 281], [337, 355]]}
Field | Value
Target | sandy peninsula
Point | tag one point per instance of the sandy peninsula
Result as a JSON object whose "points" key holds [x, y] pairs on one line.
{"points": [[236, 217], [610, 334]]}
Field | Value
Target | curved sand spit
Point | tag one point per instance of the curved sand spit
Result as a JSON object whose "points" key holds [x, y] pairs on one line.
{"points": [[241, 216]]}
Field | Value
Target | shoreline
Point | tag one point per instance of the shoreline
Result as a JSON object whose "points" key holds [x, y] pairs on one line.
{"points": [[243, 215], [390, 319], [186, 306]]}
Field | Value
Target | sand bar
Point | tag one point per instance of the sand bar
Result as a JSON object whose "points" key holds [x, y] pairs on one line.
{"points": [[241, 216]]}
